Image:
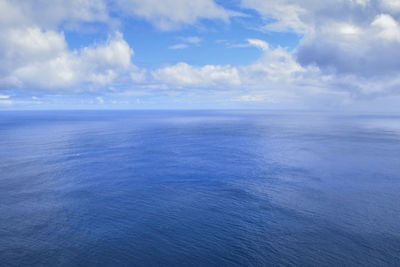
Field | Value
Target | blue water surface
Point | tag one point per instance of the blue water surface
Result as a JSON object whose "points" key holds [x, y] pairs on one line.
{"points": [[198, 188]]}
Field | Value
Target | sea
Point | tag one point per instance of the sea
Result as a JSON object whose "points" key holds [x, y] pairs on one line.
{"points": [[199, 188]]}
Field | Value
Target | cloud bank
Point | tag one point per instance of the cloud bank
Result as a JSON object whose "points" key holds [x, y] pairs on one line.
{"points": [[348, 49]]}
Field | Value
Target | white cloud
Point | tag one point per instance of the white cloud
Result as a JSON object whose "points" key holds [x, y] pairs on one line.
{"points": [[172, 14], [49, 14], [390, 6], [275, 78], [275, 65], [186, 42], [275, 71], [285, 15], [362, 50], [353, 43], [35, 54], [348, 48], [387, 27], [41, 59], [191, 39], [178, 46], [114, 55], [258, 43], [182, 75]]}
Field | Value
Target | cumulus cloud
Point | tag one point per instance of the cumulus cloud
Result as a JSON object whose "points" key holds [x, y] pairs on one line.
{"points": [[348, 48], [41, 59], [276, 77], [387, 28], [353, 49], [276, 65], [351, 41], [275, 69], [35, 54], [182, 75]]}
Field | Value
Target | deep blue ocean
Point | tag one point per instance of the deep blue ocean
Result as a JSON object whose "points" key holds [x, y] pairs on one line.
{"points": [[198, 188]]}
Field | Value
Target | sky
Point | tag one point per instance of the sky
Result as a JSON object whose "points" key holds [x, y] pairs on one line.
{"points": [[341, 55]]}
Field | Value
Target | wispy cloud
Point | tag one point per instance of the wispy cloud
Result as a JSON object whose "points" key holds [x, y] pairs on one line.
{"points": [[178, 46], [191, 39], [169, 15], [186, 42]]}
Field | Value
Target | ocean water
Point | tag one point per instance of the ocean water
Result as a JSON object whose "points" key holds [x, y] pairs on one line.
{"points": [[198, 188]]}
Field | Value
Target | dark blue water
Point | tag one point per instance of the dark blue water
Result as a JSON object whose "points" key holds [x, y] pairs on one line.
{"points": [[112, 188]]}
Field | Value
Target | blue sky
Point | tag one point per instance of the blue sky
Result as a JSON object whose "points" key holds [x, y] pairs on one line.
{"points": [[206, 54]]}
